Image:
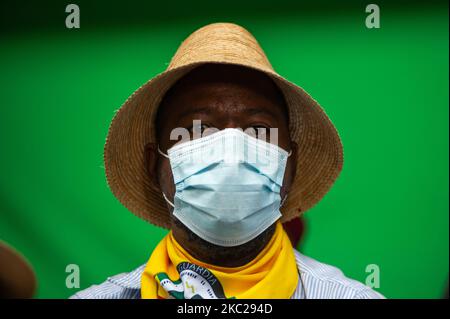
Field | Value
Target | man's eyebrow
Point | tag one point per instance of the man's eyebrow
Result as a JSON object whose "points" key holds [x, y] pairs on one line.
{"points": [[196, 110], [248, 111], [261, 111]]}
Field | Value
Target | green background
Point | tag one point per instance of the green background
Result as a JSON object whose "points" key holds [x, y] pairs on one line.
{"points": [[385, 89]]}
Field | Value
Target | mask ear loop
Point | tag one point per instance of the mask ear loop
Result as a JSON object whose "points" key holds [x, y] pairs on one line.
{"points": [[167, 200], [162, 153], [164, 195], [283, 200], [285, 196]]}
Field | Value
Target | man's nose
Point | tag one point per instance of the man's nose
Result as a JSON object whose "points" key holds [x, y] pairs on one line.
{"points": [[233, 123]]}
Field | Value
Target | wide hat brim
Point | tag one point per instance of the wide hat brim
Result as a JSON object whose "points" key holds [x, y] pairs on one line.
{"points": [[17, 278], [320, 153]]}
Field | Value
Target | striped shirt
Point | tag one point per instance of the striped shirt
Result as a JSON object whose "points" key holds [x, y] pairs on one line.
{"points": [[317, 281]]}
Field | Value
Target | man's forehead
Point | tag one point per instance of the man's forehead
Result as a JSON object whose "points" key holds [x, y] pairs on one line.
{"points": [[217, 90], [243, 109]]}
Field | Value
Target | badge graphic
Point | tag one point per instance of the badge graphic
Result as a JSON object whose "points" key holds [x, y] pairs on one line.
{"points": [[196, 282]]}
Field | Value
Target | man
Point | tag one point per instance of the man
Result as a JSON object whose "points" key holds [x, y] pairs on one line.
{"points": [[221, 150]]}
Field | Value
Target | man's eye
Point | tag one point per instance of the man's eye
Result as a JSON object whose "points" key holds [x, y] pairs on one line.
{"points": [[259, 131], [198, 128]]}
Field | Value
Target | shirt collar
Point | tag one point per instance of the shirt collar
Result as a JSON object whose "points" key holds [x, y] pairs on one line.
{"points": [[131, 280]]}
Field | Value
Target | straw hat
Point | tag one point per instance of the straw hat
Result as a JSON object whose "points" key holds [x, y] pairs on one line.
{"points": [[320, 155], [17, 278]]}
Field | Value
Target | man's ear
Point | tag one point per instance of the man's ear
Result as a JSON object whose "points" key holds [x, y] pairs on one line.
{"points": [[151, 163], [292, 171], [294, 155]]}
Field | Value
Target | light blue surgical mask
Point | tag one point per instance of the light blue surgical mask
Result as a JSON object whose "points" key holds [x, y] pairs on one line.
{"points": [[227, 186]]}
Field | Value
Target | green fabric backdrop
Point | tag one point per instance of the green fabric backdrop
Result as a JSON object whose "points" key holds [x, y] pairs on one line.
{"points": [[386, 90]]}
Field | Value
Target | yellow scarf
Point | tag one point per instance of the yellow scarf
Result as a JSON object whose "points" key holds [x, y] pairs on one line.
{"points": [[172, 273]]}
